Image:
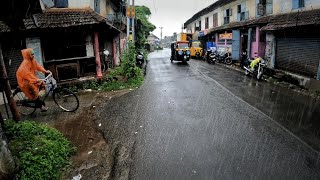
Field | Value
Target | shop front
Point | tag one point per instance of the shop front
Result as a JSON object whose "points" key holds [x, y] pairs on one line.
{"points": [[224, 41]]}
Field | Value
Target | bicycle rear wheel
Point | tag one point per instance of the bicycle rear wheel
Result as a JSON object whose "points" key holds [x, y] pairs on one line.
{"points": [[66, 99], [24, 106]]}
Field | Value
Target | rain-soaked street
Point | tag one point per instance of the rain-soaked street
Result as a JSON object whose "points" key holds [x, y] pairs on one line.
{"points": [[202, 121]]}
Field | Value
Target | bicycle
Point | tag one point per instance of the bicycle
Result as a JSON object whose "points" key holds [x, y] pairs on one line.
{"points": [[63, 97]]}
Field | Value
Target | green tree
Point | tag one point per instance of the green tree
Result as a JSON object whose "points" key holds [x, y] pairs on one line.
{"points": [[143, 26]]}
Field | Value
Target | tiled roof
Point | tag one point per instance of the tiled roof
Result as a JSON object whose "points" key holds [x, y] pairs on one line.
{"points": [[290, 20], [63, 17], [4, 27]]}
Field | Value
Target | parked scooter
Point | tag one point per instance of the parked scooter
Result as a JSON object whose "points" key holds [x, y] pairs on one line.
{"points": [[257, 70], [140, 61]]}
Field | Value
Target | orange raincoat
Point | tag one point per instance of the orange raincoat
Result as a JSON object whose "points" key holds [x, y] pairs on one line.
{"points": [[26, 75]]}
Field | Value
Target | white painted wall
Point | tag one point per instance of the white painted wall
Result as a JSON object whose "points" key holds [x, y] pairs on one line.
{"points": [[285, 6], [89, 46], [81, 3], [279, 6]]}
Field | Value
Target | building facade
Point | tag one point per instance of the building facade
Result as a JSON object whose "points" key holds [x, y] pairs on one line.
{"points": [[284, 32], [68, 37]]}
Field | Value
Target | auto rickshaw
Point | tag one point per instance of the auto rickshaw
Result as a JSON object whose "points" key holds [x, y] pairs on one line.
{"points": [[196, 50], [180, 51]]}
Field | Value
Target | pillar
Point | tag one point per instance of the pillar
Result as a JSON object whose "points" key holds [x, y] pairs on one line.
{"points": [[258, 39], [97, 54], [217, 38], [249, 42], [318, 74]]}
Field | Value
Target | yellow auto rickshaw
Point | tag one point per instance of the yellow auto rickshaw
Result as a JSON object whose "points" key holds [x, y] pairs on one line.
{"points": [[180, 51], [196, 50]]}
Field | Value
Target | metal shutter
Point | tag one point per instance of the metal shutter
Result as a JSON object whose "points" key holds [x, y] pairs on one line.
{"points": [[12, 59], [299, 55]]}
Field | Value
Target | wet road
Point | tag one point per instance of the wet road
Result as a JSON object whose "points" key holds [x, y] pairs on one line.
{"points": [[197, 121]]}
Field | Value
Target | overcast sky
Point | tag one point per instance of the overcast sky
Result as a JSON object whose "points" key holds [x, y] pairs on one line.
{"points": [[171, 14]]}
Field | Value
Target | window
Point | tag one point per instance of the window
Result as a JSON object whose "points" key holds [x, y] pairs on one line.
{"points": [[200, 25], [242, 14], [296, 4], [215, 20], [61, 3], [221, 41], [183, 45], [97, 6], [72, 45], [226, 14], [264, 7], [207, 23], [239, 8]]}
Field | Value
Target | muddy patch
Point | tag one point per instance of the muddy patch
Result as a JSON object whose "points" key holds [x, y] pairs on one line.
{"points": [[95, 158]]}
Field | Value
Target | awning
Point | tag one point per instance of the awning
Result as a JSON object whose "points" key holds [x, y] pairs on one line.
{"points": [[290, 20]]}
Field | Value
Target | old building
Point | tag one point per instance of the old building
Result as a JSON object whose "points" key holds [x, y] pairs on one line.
{"points": [[68, 37], [281, 31]]}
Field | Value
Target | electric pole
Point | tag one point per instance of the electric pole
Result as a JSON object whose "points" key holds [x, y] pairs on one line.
{"points": [[161, 35], [130, 21], [133, 9]]}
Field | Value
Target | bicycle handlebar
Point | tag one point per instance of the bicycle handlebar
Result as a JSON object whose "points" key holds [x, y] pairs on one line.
{"points": [[47, 77]]}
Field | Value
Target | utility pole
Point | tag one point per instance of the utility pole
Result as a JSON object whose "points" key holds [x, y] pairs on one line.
{"points": [[7, 89], [161, 35], [133, 9], [128, 21]]}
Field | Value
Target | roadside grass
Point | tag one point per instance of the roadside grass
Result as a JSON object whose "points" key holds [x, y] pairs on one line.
{"points": [[40, 152], [119, 85], [126, 76]]}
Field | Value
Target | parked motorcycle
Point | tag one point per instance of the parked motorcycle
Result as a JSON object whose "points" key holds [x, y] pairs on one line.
{"points": [[224, 58], [211, 57], [141, 62], [258, 69], [206, 54]]}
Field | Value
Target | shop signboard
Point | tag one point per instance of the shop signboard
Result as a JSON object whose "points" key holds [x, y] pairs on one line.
{"points": [[225, 36]]}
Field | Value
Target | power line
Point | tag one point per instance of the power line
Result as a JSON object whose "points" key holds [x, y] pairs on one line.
{"points": [[154, 7]]}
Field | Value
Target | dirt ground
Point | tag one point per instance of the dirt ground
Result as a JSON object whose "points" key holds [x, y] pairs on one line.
{"points": [[94, 158]]}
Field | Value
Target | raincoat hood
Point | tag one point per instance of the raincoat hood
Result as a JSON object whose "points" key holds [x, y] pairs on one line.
{"points": [[26, 54]]}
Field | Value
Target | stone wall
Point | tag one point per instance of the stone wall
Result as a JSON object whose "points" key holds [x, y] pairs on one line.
{"points": [[7, 164]]}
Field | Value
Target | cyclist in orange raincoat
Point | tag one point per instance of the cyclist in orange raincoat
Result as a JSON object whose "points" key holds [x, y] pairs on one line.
{"points": [[28, 82]]}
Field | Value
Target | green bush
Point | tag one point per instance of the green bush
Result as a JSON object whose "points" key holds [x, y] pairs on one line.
{"points": [[128, 68], [119, 85], [40, 152]]}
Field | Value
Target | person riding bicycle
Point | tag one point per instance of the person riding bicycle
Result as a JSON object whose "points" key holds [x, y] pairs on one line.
{"points": [[28, 82]]}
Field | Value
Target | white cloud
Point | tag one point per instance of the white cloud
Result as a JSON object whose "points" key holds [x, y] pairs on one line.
{"points": [[171, 14]]}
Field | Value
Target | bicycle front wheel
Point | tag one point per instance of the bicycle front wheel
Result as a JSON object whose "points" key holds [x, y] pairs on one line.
{"points": [[24, 106], [66, 99]]}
